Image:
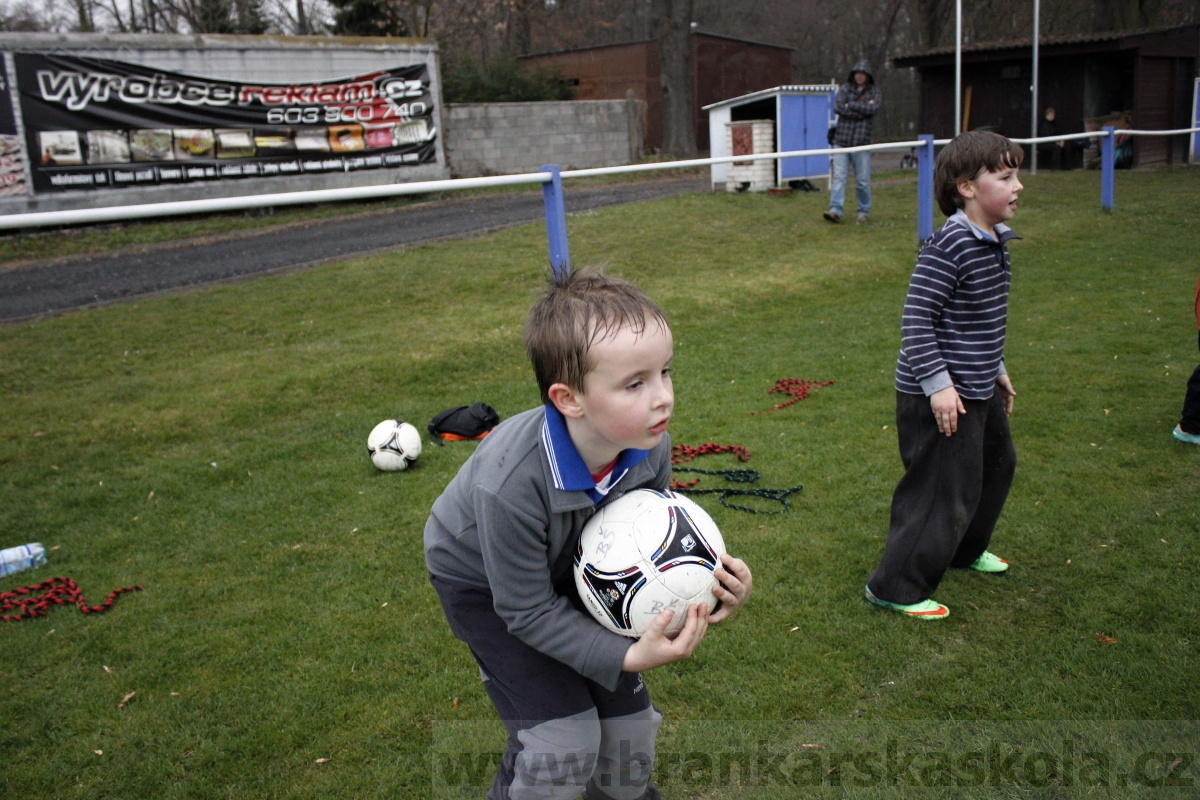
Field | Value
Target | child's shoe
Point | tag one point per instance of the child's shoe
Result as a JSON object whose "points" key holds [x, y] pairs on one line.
{"points": [[926, 609], [989, 563], [1190, 438]]}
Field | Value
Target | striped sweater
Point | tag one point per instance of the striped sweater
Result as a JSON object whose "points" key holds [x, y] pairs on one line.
{"points": [[952, 332]]}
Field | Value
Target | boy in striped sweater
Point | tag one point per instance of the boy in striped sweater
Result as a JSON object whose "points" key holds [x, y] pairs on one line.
{"points": [[953, 394], [1188, 429]]}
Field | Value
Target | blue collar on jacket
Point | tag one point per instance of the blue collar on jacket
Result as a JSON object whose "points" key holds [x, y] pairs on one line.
{"points": [[570, 472], [1003, 231]]}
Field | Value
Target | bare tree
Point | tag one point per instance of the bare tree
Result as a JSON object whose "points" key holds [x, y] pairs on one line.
{"points": [[298, 17], [673, 20], [1132, 14], [168, 16], [83, 10], [29, 16]]}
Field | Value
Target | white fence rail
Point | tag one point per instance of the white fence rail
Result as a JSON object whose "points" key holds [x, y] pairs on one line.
{"points": [[151, 210]]}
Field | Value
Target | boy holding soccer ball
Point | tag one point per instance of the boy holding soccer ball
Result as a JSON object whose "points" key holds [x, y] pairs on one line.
{"points": [[500, 545], [953, 394]]}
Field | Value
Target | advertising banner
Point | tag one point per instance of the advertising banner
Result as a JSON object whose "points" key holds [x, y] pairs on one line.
{"points": [[97, 124], [12, 155]]}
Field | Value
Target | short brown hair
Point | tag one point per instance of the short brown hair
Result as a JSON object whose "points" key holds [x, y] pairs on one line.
{"points": [[577, 310], [968, 156]]}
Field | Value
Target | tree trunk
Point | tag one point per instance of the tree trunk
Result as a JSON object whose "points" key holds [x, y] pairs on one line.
{"points": [[301, 20], [83, 11], [935, 16], [520, 29], [673, 19], [1133, 14]]}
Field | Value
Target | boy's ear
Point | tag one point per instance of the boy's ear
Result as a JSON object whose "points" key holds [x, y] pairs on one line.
{"points": [[566, 400], [966, 189]]}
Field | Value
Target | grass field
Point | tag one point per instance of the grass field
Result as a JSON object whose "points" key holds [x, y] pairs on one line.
{"points": [[210, 446]]}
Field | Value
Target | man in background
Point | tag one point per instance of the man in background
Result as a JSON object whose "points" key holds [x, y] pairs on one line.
{"points": [[857, 102], [1052, 152]]}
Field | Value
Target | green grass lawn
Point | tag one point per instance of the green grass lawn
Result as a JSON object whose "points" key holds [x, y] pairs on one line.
{"points": [[211, 447]]}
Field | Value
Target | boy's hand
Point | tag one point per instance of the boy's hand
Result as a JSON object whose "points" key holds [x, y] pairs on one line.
{"points": [[947, 405], [733, 589], [1007, 390], [654, 649]]}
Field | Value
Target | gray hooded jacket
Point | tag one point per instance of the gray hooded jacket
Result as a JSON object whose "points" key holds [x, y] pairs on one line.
{"points": [[856, 108]]}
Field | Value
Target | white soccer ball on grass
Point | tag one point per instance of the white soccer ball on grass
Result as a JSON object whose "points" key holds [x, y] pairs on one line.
{"points": [[393, 445]]}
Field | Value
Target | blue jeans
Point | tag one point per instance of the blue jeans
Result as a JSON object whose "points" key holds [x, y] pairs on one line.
{"points": [[862, 181]]}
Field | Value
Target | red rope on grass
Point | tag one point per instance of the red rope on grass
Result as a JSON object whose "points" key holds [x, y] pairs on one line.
{"points": [[795, 388], [35, 601], [682, 453]]}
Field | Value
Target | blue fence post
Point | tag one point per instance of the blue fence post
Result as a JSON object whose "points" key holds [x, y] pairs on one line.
{"points": [[925, 188], [556, 220], [1107, 152]]}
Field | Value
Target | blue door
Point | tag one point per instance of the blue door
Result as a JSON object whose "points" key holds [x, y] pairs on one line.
{"points": [[803, 125]]}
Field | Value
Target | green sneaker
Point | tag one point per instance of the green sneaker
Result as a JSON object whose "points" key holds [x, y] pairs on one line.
{"points": [[989, 563], [926, 609], [1183, 436]]}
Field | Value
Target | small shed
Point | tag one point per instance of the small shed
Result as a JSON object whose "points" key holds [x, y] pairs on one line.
{"points": [[721, 66], [1144, 77], [801, 115]]}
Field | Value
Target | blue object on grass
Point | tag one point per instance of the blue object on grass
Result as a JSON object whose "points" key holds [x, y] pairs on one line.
{"points": [[27, 556]]}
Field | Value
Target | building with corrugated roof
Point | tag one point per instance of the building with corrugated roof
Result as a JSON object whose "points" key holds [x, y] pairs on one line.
{"points": [[1142, 79], [722, 67]]}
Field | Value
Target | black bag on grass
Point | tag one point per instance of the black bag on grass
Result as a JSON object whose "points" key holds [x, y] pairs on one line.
{"points": [[464, 423]]}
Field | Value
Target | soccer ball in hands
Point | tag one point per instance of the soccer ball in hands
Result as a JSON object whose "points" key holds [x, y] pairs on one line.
{"points": [[643, 553], [393, 445]]}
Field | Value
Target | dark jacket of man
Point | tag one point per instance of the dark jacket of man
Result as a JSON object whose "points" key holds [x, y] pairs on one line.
{"points": [[856, 107]]}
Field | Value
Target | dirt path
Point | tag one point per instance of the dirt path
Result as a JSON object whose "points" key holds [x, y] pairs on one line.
{"points": [[39, 288]]}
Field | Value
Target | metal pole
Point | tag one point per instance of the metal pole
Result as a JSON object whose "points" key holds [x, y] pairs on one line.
{"points": [[1033, 132], [1107, 148], [957, 67], [556, 221], [925, 188]]}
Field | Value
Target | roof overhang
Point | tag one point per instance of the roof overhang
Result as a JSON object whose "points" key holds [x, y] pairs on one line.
{"points": [[816, 88], [1051, 47]]}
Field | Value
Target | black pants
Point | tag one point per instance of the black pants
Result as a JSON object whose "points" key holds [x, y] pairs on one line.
{"points": [[1190, 419], [945, 507], [1050, 156], [567, 734]]}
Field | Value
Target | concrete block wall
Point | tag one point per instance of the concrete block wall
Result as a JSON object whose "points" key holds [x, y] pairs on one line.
{"points": [[511, 138], [754, 176]]}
